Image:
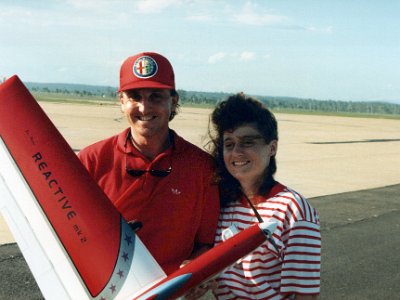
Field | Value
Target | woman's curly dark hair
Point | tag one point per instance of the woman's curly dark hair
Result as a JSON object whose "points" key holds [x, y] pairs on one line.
{"points": [[228, 115]]}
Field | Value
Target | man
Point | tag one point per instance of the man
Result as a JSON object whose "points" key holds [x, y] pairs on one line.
{"points": [[150, 173]]}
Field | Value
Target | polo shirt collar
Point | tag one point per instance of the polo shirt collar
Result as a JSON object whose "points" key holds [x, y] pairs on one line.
{"points": [[178, 144]]}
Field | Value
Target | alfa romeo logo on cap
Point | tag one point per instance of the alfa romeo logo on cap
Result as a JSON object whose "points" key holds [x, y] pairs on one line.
{"points": [[145, 67]]}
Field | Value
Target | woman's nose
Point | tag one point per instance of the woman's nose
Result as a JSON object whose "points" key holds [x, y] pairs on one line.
{"points": [[237, 148]]}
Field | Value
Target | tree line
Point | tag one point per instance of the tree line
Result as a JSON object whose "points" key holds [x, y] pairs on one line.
{"points": [[210, 99], [300, 104]]}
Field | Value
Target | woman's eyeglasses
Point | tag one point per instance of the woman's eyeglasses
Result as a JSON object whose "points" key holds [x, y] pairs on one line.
{"points": [[155, 173], [244, 142]]}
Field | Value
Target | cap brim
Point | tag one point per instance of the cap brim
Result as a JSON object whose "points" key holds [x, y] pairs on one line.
{"points": [[146, 85]]}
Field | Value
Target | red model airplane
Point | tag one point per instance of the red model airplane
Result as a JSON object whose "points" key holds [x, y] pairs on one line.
{"points": [[75, 242]]}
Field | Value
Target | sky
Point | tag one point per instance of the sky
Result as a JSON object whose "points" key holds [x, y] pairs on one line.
{"points": [[320, 49]]}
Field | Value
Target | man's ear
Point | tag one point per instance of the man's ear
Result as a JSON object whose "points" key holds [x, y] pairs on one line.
{"points": [[121, 101], [175, 100]]}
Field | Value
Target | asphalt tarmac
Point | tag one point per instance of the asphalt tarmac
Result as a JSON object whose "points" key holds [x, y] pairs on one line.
{"points": [[360, 244]]}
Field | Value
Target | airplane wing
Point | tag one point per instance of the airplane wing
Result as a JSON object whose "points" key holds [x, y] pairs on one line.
{"points": [[74, 240]]}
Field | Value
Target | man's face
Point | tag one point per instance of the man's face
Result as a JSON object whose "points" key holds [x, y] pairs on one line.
{"points": [[148, 110]]}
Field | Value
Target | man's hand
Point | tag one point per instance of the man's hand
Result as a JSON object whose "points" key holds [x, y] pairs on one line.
{"points": [[201, 290]]}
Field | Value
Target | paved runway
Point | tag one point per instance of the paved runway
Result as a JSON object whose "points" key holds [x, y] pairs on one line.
{"points": [[360, 260], [360, 230]]}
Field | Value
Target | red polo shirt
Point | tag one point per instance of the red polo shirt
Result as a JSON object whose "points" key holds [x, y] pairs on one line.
{"points": [[176, 211]]}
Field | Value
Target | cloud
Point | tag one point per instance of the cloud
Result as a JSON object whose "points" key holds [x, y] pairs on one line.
{"points": [[10, 14], [246, 56], [266, 56], [27, 20], [199, 18], [96, 5], [155, 6], [62, 69], [251, 15], [243, 56], [138, 6], [216, 57], [328, 29]]}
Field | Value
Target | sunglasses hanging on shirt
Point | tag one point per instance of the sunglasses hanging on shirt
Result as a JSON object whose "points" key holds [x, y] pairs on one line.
{"points": [[139, 172], [155, 173]]}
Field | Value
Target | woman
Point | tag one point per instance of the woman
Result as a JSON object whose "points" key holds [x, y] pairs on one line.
{"points": [[245, 140]]}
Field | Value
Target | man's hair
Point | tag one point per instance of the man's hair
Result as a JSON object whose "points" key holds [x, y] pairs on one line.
{"points": [[236, 111], [174, 93]]}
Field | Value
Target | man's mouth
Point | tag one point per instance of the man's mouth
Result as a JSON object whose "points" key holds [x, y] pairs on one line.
{"points": [[145, 118]]}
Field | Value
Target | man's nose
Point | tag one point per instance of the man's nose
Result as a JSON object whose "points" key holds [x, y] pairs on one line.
{"points": [[144, 104]]}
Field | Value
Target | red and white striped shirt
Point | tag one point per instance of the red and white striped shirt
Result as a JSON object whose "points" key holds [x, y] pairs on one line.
{"points": [[263, 274]]}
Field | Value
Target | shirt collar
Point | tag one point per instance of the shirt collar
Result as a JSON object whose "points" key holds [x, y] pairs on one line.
{"points": [[177, 143]]}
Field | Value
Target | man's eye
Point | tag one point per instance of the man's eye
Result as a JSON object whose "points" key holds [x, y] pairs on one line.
{"points": [[133, 96], [156, 97]]}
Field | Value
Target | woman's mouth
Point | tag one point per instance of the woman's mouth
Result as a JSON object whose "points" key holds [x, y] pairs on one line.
{"points": [[240, 163]]}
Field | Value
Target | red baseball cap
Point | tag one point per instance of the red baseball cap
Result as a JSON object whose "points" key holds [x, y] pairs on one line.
{"points": [[146, 70]]}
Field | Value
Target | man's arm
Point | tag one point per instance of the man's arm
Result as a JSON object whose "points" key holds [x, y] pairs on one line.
{"points": [[198, 250]]}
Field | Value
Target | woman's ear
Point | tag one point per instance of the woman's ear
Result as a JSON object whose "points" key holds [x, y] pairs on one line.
{"points": [[273, 147]]}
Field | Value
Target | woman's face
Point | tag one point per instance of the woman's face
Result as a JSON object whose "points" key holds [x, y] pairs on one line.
{"points": [[247, 155]]}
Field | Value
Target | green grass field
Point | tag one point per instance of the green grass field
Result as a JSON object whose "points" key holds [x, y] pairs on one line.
{"points": [[98, 100]]}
